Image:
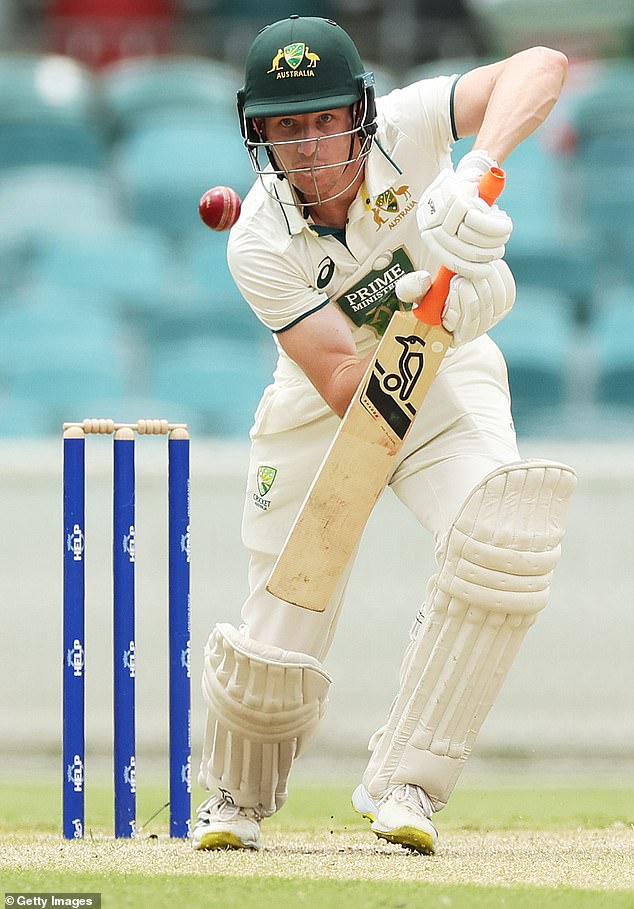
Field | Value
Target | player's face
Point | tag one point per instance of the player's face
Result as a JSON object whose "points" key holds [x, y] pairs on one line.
{"points": [[314, 149]]}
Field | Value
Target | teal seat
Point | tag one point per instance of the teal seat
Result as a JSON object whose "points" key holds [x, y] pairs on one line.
{"points": [[220, 380], [602, 118], [536, 340], [64, 375], [39, 203], [544, 251], [613, 331], [141, 90], [25, 419], [130, 263], [50, 112], [164, 169], [34, 336], [207, 301]]}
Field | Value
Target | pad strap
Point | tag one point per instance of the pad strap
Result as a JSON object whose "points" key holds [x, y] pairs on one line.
{"points": [[263, 708]]}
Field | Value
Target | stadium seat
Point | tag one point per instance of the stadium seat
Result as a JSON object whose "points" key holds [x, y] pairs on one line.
{"points": [[536, 340], [206, 300], [34, 326], [602, 118], [546, 250], [24, 418], [50, 112], [100, 31], [583, 27], [220, 380], [164, 168], [613, 331], [68, 373], [38, 203], [130, 263], [141, 90]]}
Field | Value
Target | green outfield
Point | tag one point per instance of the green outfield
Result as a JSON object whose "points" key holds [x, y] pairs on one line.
{"points": [[527, 846]]}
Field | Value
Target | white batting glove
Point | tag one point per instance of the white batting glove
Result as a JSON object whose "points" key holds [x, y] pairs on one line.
{"points": [[458, 228], [473, 307]]}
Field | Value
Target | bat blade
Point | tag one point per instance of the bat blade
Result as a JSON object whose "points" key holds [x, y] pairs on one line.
{"points": [[358, 463]]}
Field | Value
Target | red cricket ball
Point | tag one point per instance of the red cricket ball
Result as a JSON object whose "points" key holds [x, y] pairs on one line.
{"points": [[219, 207]]}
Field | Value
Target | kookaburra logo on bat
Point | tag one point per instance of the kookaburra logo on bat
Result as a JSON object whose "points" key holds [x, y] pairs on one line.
{"points": [[387, 394], [410, 366]]}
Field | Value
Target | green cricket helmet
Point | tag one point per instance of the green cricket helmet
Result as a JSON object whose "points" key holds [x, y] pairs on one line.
{"points": [[302, 65]]}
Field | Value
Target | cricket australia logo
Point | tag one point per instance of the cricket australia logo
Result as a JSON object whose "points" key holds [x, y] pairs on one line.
{"points": [[394, 201], [293, 55], [265, 479]]}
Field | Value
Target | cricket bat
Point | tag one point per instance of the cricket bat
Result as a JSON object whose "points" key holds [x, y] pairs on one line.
{"points": [[360, 459]]}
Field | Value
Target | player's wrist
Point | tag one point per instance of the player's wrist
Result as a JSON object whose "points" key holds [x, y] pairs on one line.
{"points": [[474, 164]]}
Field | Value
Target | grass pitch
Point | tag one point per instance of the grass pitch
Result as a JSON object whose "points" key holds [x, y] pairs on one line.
{"points": [[529, 847]]}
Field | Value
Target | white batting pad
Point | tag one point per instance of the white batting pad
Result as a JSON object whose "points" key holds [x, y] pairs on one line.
{"points": [[494, 578], [263, 708]]}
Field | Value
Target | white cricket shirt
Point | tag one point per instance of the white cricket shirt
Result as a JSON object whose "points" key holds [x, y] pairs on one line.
{"points": [[286, 270]]}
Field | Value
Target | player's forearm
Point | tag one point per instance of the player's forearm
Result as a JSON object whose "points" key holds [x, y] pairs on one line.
{"points": [[343, 382], [523, 91]]}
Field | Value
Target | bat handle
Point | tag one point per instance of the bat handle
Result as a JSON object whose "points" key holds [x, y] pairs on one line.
{"points": [[429, 310]]}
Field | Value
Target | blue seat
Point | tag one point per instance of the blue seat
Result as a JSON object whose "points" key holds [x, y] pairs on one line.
{"points": [[164, 168], [22, 418], [602, 118], [613, 331], [130, 263], [38, 319], [40, 203], [220, 380], [545, 250], [208, 301], [66, 374], [50, 112], [536, 339], [141, 90]]}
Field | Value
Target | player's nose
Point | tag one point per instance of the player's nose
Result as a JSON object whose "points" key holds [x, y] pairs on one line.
{"points": [[307, 146]]}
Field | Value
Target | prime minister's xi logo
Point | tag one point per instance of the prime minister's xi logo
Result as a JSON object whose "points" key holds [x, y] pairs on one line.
{"points": [[294, 55]]}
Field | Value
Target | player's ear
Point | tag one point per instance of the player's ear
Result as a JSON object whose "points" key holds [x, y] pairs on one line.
{"points": [[260, 128]]}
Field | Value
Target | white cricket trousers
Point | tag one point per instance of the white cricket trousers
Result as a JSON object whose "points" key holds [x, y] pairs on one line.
{"points": [[463, 431]]}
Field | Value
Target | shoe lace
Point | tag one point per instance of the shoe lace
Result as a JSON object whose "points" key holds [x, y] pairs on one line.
{"points": [[415, 796], [222, 809]]}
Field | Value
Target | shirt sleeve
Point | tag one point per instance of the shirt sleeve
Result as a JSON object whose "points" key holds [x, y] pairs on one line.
{"points": [[424, 110], [275, 288]]}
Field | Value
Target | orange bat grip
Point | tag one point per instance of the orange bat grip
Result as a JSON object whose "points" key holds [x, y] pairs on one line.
{"points": [[429, 310]]}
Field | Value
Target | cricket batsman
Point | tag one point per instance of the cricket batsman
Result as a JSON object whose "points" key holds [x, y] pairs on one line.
{"points": [[353, 193]]}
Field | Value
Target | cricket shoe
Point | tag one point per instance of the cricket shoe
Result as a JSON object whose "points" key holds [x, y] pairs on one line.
{"points": [[223, 825], [402, 815]]}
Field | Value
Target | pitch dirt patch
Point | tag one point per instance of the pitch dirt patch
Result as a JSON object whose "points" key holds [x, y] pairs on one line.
{"points": [[584, 859]]}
